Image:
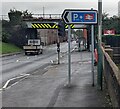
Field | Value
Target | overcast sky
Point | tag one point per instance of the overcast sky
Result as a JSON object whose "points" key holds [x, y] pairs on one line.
{"points": [[57, 6]]}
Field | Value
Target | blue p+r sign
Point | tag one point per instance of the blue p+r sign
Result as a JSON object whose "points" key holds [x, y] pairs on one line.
{"points": [[84, 17]]}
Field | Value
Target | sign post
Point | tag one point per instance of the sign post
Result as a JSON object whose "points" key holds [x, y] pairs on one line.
{"points": [[69, 55], [80, 17], [92, 42]]}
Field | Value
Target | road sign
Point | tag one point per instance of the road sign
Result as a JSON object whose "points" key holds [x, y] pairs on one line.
{"points": [[79, 16], [109, 32]]}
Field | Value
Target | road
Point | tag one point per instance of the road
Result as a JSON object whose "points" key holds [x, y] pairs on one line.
{"points": [[17, 65], [51, 88]]}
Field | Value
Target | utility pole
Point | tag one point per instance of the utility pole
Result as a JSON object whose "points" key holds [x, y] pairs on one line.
{"points": [[99, 79]]}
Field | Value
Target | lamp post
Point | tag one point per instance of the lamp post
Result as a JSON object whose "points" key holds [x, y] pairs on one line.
{"points": [[99, 79], [99, 20]]}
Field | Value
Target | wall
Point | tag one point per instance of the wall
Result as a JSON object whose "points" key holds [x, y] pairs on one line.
{"points": [[111, 74], [116, 54]]}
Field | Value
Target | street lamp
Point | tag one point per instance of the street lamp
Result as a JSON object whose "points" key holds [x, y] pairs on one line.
{"points": [[99, 79], [99, 20]]}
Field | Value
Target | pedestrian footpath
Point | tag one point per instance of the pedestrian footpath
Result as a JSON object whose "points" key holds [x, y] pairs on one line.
{"points": [[48, 87]]}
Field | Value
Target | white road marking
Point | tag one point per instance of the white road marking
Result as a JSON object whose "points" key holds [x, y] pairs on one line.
{"points": [[17, 60], [6, 84], [28, 58], [51, 61], [25, 74]]}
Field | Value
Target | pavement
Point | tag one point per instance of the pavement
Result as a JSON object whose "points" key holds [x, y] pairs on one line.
{"points": [[10, 54], [49, 87]]}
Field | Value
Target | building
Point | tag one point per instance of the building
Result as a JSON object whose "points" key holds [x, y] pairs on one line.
{"points": [[119, 8], [49, 36]]}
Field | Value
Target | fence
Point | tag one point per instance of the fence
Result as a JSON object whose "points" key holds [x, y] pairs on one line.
{"points": [[116, 54], [111, 74]]}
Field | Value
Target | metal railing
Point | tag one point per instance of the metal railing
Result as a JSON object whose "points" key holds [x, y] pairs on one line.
{"points": [[42, 16], [4, 17], [35, 16], [111, 74]]}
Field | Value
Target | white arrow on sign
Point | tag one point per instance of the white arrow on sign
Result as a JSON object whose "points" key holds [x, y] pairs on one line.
{"points": [[66, 16]]}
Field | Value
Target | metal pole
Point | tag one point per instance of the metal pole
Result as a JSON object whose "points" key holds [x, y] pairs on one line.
{"points": [[99, 79], [69, 56], [99, 20], [58, 46], [59, 50], [92, 46], [79, 41], [43, 12]]}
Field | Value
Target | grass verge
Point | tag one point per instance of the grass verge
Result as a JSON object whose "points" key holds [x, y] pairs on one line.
{"points": [[8, 48]]}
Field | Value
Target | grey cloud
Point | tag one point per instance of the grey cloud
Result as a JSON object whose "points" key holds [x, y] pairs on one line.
{"points": [[54, 7], [58, 7]]}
